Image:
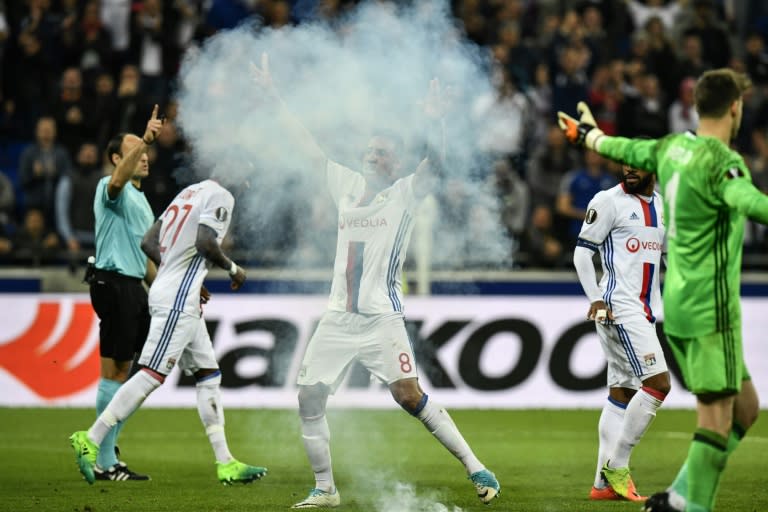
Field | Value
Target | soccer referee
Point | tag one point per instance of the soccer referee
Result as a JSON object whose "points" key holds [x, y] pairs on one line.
{"points": [[123, 215]]}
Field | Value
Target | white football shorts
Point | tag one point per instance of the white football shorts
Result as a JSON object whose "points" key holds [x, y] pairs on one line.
{"points": [[177, 338], [379, 342], [633, 352]]}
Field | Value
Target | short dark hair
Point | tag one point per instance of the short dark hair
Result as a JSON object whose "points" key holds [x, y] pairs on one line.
{"points": [[717, 89], [115, 146], [393, 137]]}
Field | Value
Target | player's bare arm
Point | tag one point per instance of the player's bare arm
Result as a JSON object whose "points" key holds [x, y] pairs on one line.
{"points": [[306, 141], [150, 244], [151, 273], [431, 167], [125, 169], [207, 245]]}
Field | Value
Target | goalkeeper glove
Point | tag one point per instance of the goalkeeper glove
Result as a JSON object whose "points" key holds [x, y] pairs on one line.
{"points": [[583, 132]]}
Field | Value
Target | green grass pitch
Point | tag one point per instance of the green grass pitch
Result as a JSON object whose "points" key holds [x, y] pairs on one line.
{"points": [[384, 461]]}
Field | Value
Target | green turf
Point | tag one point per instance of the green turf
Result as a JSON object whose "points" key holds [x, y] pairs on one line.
{"points": [[544, 460]]}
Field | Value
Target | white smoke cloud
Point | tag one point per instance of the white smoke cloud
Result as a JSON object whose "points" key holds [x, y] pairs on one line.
{"points": [[367, 73], [402, 497]]}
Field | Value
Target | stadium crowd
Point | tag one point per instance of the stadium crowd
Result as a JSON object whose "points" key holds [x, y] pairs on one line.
{"points": [[74, 72]]}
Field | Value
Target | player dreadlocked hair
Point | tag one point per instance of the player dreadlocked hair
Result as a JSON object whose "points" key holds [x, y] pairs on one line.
{"points": [[717, 89]]}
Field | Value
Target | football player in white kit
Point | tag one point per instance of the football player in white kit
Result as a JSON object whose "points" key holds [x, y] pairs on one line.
{"points": [[364, 321], [624, 224], [184, 243]]}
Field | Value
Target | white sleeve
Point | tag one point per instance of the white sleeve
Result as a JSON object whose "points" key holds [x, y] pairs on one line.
{"points": [[216, 211], [582, 260], [598, 222], [341, 180]]}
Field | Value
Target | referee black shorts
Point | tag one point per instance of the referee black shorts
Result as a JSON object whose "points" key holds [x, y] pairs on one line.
{"points": [[121, 303]]}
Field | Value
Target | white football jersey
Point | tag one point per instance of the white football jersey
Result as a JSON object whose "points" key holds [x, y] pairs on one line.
{"points": [[628, 231], [182, 269], [371, 244]]}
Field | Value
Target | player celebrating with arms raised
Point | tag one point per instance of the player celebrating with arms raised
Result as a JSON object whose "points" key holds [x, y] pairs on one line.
{"points": [[708, 194], [624, 225], [364, 320], [184, 243]]}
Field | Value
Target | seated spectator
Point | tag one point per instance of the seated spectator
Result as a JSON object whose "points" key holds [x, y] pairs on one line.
{"points": [[40, 167], [34, 244], [74, 200], [578, 187]]}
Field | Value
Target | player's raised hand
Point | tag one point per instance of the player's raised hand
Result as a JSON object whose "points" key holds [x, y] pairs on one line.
{"points": [[435, 104], [238, 278], [154, 125], [262, 77], [581, 132]]}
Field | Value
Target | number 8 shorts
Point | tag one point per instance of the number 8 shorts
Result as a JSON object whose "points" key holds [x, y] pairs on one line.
{"points": [[379, 342]]}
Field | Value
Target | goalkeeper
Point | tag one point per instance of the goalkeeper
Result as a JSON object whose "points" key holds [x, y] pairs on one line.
{"points": [[708, 194]]}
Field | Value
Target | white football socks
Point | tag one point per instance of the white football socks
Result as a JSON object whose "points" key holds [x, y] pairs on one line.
{"points": [[128, 398], [317, 438], [608, 428], [212, 415], [641, 411], [439, 422]]}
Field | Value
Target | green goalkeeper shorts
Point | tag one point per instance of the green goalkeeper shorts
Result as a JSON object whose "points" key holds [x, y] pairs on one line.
{"points": [[713, 363]]}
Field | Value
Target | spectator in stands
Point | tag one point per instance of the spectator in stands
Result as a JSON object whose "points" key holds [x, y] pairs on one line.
{"points": [[692, 62], [73, 112], [74, 200], [570, 82], [662, 59], [540, 96], [756, 59], [130, 104], [682, 113], [40, 167], [32, 81], [605, 98], [104, 108], [94, 42], [7, 204], [578, 187], [514, 197], [34, 244], [548, 165], [540, 243], [116, 17], [168, 151], [153, 48], [644, 114], [667, 12], [716, 46]]}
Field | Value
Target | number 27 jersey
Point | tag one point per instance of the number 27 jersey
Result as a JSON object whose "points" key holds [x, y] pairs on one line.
{"points": [[182, 269], [628, 231]]}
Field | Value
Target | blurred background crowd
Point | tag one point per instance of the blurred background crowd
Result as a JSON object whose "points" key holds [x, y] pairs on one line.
{"points": [[75, 72]]}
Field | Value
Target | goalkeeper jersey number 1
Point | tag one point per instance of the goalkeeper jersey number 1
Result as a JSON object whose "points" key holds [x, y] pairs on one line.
{"points": [[704, 234]]}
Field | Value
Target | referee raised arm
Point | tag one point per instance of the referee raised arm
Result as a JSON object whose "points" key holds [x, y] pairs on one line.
{"points": [[123, 215]]}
